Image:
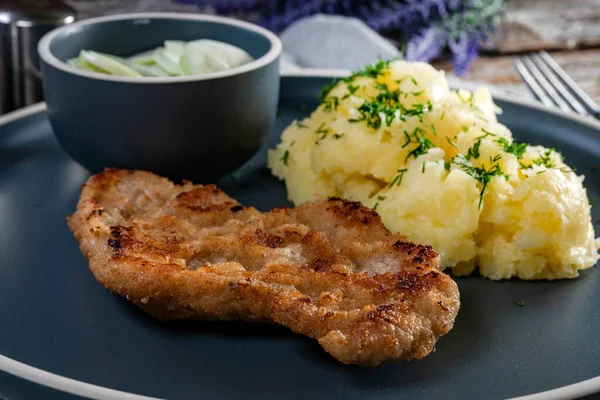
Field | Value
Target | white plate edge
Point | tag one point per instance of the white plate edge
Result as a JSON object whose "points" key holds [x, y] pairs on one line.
{"points": [[65, 384], [22, 113], [84, 389]]}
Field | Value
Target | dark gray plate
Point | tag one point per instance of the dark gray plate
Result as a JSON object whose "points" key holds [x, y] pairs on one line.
{"points": [[54, 315]]}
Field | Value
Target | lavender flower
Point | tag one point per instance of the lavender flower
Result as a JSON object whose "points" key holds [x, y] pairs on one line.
{"points": [[426, 26], [464, 50], [426, 45]]}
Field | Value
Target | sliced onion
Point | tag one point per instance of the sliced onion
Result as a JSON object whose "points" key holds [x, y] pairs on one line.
{"points": [[144, 58], [75, 63], [217, 61], [166, 63], [107, 64], [80, 63], [220, 53], [174, 49], [149, 70], [193, 63], [176, 58]]}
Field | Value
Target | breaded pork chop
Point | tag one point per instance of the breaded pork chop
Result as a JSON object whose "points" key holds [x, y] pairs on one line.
{"points": [[327, 269]]}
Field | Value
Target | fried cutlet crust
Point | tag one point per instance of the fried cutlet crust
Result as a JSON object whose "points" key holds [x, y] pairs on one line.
{"points": [[327, 269]]}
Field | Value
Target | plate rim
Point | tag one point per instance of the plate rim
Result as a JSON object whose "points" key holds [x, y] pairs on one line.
{"points": [[88, 390]]}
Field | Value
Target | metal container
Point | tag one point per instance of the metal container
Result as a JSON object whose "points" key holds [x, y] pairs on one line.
{"points": [[22, 24]]}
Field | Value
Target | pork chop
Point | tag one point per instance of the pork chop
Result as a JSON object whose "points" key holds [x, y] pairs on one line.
{"points": [[327, 269]]}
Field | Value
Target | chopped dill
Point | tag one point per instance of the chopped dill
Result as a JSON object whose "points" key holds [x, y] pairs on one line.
{"points": [[488, 133], [452, 143], [420, 92], [481, 175], [469, 100], [379, 198], [423, 146], [331, 103], [473, 152], [336, 136], [545, 159], [417, 134], [325, 91], [432, 128], [520, 303], [423, 167], [371, 70], [321, 128], [386, 107], [351, 88], [284, 159], [398, 179], [414, 81], [418, 138], [443, 115], [517, 149], [301, 125], [322, 131]]}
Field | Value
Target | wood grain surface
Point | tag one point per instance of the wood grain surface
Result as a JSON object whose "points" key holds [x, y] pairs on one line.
{"points": [[583, 66], [549, 24]]}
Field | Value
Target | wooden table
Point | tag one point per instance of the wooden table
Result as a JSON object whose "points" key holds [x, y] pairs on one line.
{"points": [[568, 29]]}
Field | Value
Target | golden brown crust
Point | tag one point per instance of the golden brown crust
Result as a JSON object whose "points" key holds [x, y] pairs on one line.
{"points": [[327, 269]]}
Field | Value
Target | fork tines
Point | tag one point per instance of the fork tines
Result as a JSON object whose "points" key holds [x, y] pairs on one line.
{"points": [[552, 86]]}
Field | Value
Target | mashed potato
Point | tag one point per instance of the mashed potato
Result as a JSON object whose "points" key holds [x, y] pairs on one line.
{"points": [[439, 168]]}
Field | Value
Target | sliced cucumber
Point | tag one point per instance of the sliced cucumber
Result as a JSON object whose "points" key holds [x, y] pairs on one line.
{"points": [[166, 63], [175, 58], [107, 64]]}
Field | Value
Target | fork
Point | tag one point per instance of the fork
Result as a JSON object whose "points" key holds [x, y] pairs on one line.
{"points": [[552, 86]]}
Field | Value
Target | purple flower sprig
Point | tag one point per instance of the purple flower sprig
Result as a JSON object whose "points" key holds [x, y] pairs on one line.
{"points": [[428, 27]]}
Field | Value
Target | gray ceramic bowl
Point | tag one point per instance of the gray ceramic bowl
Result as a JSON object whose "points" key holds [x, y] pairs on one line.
{"points": [[197, 127]]}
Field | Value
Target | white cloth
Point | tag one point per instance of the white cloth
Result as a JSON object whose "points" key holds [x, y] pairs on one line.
{"points": [[336, 42]]}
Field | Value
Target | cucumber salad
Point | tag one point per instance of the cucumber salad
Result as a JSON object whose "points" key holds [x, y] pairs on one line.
{"points": [[175, 58]]}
